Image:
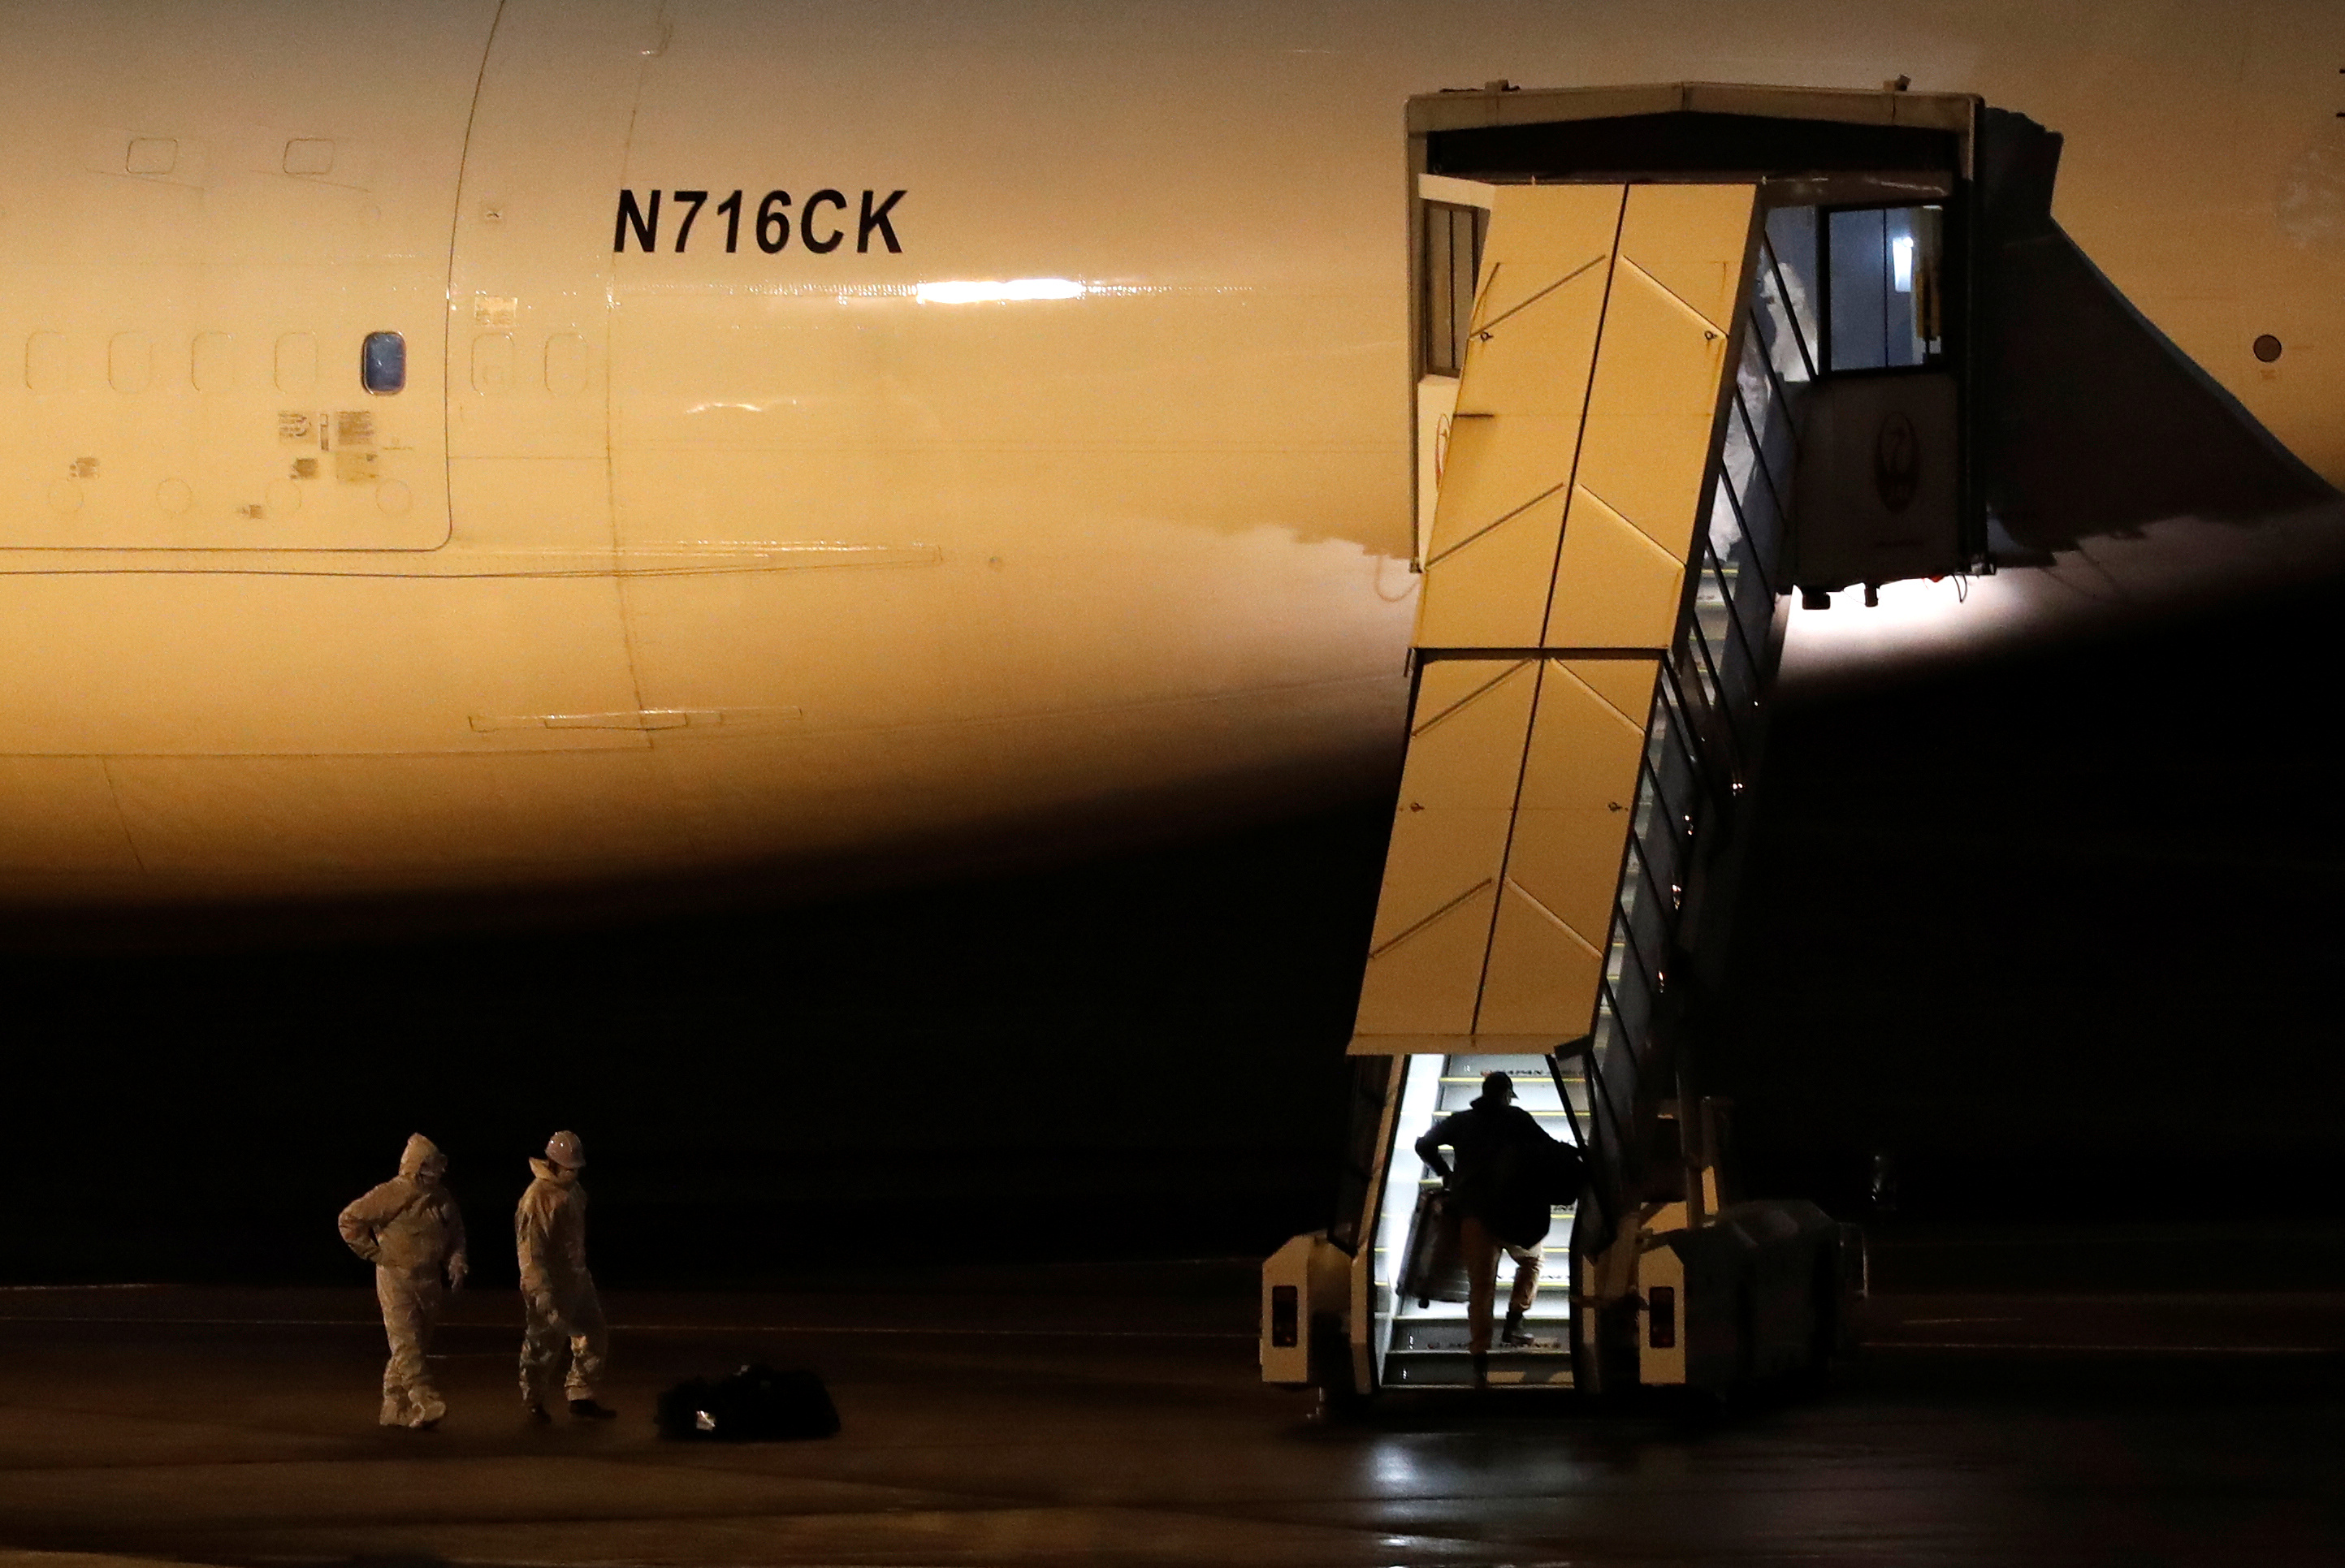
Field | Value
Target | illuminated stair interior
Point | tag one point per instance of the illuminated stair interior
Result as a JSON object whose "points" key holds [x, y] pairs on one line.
{"points": [[1428, 1342]]}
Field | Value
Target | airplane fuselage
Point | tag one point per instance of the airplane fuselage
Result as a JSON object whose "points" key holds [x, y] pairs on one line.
{"points": [[830, 433]]}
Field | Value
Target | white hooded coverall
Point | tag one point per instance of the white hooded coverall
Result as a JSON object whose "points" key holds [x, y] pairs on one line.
{"points": [[411, 1230], [563, 1311]]}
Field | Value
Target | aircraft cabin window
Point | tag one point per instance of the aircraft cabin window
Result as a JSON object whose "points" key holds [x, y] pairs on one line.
{"points": [[1883, 283], [383, 364], [1453, 259], [309, 155]]}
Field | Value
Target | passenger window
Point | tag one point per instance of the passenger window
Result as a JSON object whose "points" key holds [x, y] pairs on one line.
{"points": [[383, 364], [1885, 283], [1453, 259]]}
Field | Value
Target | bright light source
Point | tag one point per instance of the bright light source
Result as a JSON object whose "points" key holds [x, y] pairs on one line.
{"points": [[979, 293], [1901, 263]]}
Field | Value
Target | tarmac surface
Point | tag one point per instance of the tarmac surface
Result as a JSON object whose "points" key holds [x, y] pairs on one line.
{"points": [[1114, 1417]]}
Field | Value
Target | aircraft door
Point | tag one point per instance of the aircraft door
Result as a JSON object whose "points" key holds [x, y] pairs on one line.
{"points": [[528, 333], [528, 290], [1880, 475]]}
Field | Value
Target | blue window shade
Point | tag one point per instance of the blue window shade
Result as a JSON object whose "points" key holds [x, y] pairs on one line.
{"points": [[382, 365]]}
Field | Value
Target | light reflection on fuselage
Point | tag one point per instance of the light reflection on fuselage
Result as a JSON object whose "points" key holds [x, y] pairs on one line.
{"points": [[2106, 585]]}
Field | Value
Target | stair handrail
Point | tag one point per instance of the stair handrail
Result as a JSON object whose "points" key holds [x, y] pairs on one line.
{"points": [[1585, 1049]]}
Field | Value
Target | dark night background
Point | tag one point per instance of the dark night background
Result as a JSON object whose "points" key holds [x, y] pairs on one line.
{"points": [[2057, 931]]}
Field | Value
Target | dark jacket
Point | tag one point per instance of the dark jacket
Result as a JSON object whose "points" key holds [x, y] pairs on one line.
{"points": [[1504, 1170]]}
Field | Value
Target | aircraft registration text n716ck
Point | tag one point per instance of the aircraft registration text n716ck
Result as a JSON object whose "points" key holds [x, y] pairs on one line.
{"points": [[468, 444], [639, 220]]}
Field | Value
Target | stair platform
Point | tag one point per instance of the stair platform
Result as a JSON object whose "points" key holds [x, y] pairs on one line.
{"points": [[1430, 1353]]}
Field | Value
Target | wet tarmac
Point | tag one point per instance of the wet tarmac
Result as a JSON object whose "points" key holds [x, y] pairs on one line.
{"points": [[1113, 1417]]}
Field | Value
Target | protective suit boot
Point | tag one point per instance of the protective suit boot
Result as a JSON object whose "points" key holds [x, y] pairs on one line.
{"points": [[536, 1416], [587, 1409], [395, 1411]]}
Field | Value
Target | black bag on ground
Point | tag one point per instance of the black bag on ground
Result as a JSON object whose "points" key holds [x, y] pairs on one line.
{"points": [[1433, 1269], [756, 1404]]}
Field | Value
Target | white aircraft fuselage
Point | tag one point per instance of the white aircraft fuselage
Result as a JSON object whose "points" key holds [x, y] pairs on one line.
{"points": [[838, 433]]}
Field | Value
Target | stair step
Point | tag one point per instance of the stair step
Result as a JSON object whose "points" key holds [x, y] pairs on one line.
{"points": [[1454, 1370], [1443, 1336]]}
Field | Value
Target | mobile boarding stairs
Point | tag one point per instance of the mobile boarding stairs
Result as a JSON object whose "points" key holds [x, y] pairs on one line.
{"points": [[1680, 352]]}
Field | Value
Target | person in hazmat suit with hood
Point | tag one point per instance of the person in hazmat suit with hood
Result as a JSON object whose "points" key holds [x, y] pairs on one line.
{"points": [[410, 1228], [564, 1315]]}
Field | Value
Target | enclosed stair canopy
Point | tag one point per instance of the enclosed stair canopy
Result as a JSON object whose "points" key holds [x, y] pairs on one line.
{"points": [[1680, 352]]}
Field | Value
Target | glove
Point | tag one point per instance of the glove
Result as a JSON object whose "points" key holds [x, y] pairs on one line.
{"points": [[542, 1306], [456, 1272]]}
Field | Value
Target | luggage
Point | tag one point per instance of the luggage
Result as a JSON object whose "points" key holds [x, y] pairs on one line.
{"points": [[756, 1404], [1433, 1268], [1566, 1174]]}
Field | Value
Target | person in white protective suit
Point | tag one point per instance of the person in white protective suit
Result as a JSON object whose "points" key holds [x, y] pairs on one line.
{"points": [[564, 1315], [411, 1232]]}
